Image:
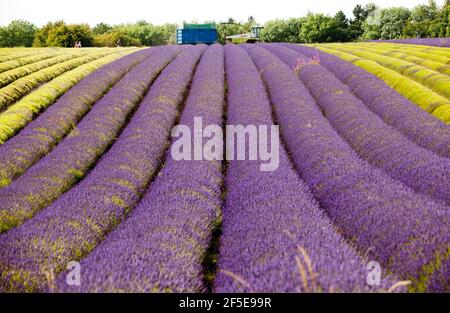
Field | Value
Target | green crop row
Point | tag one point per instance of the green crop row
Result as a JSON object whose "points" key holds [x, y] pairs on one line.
{"points": [[440, 83], [22, 86], [9, 65], [22, 112], [16, 53]]}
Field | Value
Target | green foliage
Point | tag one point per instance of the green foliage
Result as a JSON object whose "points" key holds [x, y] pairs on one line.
{"points": [[60, 34], [17, 33], [444, 22]]}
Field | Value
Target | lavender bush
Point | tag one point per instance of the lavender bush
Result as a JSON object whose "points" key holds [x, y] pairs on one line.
{"points": [[68, 162], [436, 42], [380, 144], [404, 231]]}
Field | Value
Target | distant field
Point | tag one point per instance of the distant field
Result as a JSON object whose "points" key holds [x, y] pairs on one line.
{"points": [[362, 180]]}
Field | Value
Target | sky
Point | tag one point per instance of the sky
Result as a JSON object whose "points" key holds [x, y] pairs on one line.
{"points": [[92, 12]]}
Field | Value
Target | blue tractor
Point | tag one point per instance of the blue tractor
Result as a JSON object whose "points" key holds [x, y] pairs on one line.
{"points": [[197, 33]]}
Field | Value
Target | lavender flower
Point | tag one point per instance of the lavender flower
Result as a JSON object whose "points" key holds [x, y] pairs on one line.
{"points": [[404, 231], [72, 226]]}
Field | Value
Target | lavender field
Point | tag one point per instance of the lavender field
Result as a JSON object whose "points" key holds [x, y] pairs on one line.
{"points": [[93, 199]]}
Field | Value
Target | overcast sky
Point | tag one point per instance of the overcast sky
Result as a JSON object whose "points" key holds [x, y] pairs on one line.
{"points": [[174, 11]]}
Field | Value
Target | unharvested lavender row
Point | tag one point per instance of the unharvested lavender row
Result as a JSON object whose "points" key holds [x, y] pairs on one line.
{"points": [[380, 144], [160, 247], [41, 135], [395, 110], [404, 231], [275, 236], [72, 226], [59, 170], [20, 87]]}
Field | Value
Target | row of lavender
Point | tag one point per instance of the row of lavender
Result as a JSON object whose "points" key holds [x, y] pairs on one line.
{"points": [[161, 245], [378, 143], [405, 231], [436, 42]]}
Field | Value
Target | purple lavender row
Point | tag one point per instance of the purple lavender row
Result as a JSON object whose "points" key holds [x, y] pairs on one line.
{"points": [[380, 144], [43, 134], [404, 231], [275, 237], [395, 110], [71, 159], [161, 245], [74, 224], [435, 42]]}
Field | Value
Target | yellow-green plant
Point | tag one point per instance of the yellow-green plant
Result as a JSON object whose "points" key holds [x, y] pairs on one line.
{"points": [[23, 111], [16, 73], [8, 65], [20, 87]]}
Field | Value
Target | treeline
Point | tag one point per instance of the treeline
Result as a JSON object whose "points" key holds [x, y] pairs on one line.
{"points": [[368, 22], [60, 34]]}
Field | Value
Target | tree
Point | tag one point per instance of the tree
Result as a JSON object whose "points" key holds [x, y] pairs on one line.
{"points": [[444, 21], [17, 33], [115, 38], [101, 28], [225, 29], [282, 30]]}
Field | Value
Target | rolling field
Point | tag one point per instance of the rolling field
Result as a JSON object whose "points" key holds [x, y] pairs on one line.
{"points": [[361, 188]]}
